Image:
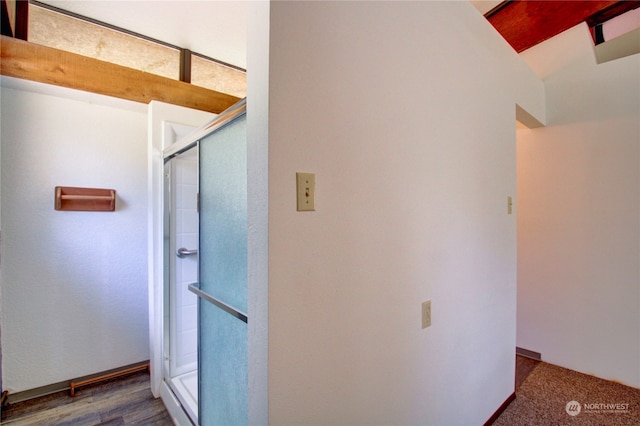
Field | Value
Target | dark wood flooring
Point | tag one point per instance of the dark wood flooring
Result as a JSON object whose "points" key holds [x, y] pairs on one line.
{"points": [[122, 401]]}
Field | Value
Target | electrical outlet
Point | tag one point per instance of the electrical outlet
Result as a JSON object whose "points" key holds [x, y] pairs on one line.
{"points": [[426, 314]]}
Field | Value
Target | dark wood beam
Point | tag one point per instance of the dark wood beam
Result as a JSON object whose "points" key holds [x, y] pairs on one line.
{"points": [[6, 26], [30, 61], [526, 23], [185, 65], [22, 20]]}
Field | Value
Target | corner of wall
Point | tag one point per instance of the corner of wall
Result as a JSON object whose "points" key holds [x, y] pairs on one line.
{"points": [[258, 207], [524, 117]]}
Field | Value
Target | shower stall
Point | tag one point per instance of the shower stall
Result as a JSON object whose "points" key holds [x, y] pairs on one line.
{"points": [[205, 271]]}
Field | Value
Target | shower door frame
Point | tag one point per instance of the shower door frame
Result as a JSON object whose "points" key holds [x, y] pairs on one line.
{"points": [[172, 283], [167, 125], [174, 406]]}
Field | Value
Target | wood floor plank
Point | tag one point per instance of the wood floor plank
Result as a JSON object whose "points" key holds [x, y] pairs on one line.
{"points": [[80, 412], [157, 419], [120, 401], [122, 406], [119, 421], [87, 419], [153, 414]]}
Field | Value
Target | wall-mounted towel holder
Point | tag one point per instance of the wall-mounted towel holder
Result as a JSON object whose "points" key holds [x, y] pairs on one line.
{"points": [[85, 199]]}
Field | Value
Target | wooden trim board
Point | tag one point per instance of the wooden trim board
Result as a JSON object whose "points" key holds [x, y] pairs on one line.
{"points": [[43, 64], [529, 354], [66, 384], [76, 384], [500, 410]]}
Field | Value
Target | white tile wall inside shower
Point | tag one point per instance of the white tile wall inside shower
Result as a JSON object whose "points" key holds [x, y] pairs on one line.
{"points": [[186, 331]]}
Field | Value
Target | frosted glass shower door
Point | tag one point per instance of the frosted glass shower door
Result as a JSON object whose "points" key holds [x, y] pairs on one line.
{"points": [[223, 380]]}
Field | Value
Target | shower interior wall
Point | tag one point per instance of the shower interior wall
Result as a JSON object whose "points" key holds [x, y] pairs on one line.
{"points": [[184, 335]]}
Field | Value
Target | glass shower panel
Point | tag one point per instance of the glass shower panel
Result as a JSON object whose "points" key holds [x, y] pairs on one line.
{"points": [[223, 215], [223, 368], [223, 365]]}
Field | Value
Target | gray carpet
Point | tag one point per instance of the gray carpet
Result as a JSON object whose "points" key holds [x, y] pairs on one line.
{"points": [[542, 399]]}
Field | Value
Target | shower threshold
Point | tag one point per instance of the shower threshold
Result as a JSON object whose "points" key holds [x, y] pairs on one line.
{"points": [[185, 387]]}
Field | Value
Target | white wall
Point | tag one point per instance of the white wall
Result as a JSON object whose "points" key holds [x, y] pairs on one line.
{"points": [[406, 113], [579, 213], [74, 284], [257, 209]]}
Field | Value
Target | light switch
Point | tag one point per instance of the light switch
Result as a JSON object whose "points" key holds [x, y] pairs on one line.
{"points": [[509, 205], [306, 188]]}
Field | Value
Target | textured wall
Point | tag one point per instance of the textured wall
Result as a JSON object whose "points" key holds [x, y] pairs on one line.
{"points": [[406, 113], [74, 284]]}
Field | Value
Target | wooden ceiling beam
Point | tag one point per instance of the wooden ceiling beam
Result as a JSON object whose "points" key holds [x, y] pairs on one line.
{"points": [[43, 64], [526, 23]]}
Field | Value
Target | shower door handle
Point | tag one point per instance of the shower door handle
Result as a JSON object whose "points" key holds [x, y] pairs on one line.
{"points": [[195, 288], [183, 252]]}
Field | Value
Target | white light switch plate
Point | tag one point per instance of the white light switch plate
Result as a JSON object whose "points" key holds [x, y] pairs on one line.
{"points": [[306, 190]]}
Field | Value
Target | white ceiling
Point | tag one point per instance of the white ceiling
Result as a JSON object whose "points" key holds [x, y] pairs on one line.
{"points": [[217, 29]]}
